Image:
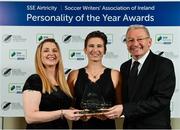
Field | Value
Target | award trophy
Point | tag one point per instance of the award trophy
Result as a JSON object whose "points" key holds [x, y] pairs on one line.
{"points": [[92, 101]]}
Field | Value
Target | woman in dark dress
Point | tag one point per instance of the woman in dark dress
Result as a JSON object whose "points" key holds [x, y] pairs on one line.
{"points": [[46, 95], [96, 81]]}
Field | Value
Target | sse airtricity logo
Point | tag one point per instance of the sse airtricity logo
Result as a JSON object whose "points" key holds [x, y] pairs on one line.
{"points": [[15, 38], [68, 38], [18, 54], [41, 37], [76, 55], [15, 88], [12, 72], [164, 38], [6, 72], [5, 106], [6, 38]]}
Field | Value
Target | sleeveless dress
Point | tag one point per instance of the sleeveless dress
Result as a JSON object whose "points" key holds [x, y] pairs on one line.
{"points": [[49, 102], [105, 89]]}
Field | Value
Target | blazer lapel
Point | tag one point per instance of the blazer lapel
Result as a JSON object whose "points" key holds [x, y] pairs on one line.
{"points": [[142, 74]]}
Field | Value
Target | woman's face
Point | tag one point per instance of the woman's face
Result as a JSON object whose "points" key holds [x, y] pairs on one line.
{"points": [[49, 54], [95, 49]]}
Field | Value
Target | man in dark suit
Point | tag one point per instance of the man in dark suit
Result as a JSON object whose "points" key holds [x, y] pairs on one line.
{"points": [[146, 97]]}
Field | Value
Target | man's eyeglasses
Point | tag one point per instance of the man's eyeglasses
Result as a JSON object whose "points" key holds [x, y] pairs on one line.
{"points": [[132, 40]]}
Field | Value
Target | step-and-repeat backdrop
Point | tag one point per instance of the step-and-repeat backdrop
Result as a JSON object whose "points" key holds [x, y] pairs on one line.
{"points": [[24, 24]]}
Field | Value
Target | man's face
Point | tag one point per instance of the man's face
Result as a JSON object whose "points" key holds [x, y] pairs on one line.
{"points": [[138, 42]]}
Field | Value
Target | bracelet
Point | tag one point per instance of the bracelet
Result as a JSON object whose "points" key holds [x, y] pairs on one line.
{"points": [[62, 114]]}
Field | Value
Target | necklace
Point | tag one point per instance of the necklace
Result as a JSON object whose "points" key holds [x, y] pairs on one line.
{"points": [[94, 76]]}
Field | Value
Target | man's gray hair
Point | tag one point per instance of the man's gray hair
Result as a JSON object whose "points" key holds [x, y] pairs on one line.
{"points": [[136, 26]]}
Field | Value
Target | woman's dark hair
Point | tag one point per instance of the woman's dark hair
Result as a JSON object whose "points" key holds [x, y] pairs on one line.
{"points": [[97, 34]]}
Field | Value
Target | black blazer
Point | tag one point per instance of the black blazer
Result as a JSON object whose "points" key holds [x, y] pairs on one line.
{"points": [[148, 105]]}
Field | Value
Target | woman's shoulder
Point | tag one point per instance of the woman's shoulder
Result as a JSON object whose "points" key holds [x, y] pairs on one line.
{"points": [[73, 72], [33, 83], [34, 78], [114, 71], [72, 75]]}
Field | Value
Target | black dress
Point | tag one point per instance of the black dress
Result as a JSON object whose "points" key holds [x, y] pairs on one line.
{"points": [[105, 89], [49, 102]]}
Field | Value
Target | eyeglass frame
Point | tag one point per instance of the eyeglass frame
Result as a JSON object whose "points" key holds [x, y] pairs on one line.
{"points": [[137, 39]]}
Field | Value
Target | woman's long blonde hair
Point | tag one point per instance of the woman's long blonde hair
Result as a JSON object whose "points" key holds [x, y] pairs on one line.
{"points": [[60, 76]]}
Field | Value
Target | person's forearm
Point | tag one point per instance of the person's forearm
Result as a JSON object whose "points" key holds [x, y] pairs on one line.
{"points": [[42, 116]]}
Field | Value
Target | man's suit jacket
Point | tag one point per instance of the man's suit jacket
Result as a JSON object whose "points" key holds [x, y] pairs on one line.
{"points": [[148, 105]]}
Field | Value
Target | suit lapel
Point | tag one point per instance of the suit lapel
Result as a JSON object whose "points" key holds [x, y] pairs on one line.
{"points": [[142, 74]]}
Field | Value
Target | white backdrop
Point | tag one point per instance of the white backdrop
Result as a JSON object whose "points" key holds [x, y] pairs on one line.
{"points": [[18, 45]]}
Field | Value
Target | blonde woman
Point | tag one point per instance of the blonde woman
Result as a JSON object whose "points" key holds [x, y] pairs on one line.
{"points": [[46, 95]]}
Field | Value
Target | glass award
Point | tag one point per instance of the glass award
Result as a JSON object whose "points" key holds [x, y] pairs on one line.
{"points": [[92, 101]]}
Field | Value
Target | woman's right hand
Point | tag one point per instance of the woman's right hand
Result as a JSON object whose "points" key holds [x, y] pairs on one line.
{"points": [[72, 114]]}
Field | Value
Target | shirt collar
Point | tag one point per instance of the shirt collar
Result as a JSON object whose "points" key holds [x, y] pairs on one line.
{"points": [[142, 59]]}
